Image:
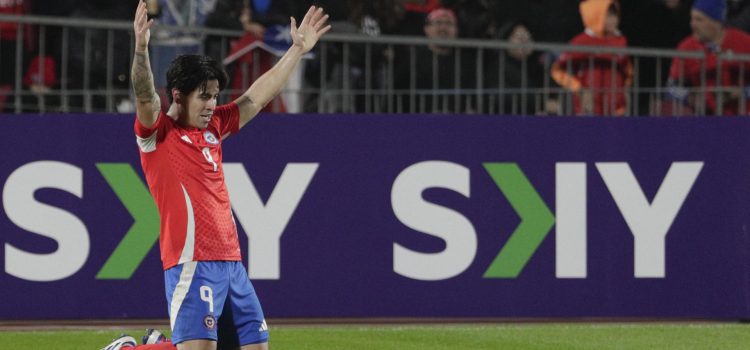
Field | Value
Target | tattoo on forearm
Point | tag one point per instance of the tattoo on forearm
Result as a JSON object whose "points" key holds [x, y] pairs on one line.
{"points": [[143, 79], [244, 100]]}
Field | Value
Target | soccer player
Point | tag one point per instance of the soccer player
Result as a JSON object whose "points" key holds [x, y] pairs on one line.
{"points": [[181, 158]]}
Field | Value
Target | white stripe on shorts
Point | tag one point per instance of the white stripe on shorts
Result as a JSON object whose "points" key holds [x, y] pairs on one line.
{"points": [[181, 290]]}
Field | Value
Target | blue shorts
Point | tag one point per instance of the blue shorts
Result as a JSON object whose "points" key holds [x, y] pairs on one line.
{"points": [[198, 292]]}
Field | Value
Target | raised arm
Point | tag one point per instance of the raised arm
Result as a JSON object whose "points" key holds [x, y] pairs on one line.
{"points": [[147, 102], [263, 90]]}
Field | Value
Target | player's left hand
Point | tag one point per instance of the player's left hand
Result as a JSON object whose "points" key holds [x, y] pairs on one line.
{"points": [[313, 26]]}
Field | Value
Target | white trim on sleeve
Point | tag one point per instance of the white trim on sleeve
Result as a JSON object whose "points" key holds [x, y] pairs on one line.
{"points": [[147, 144]]}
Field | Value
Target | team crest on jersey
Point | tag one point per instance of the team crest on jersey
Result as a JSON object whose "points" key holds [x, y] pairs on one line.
{"points": [[210, 322], [210, 138]]}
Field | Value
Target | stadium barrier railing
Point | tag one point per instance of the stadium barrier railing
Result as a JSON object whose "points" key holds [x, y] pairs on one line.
{"points": [[353, 73]]}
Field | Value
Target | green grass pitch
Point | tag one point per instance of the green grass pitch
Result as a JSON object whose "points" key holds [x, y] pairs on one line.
{"points": [[451, 336]]}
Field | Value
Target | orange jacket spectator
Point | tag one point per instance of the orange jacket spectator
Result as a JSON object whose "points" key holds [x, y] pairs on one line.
{"points": [[597, 81]]}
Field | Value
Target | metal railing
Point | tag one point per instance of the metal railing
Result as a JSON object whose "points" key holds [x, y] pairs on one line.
{"points": [[388, 74]]}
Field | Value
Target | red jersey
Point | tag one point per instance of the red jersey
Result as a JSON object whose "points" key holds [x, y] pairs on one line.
{"points": [[186, 178], [734, 41]]}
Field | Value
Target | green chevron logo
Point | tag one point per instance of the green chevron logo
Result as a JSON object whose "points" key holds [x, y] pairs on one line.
{"points": [[144, 233], [536, 220]]}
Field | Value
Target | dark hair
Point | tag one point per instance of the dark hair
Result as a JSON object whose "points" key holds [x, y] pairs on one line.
{"points": [[187, 73], [505, 29]]}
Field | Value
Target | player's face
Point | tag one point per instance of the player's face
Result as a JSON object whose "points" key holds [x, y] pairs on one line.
{"points": [[201, 103], [704, 28]]}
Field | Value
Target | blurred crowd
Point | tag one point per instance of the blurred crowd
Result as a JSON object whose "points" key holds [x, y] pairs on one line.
{"points": [[712, 26]]}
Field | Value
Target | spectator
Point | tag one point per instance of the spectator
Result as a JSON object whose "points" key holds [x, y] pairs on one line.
{"points": [[226, 15], [168, 44], [366, 18], [713, 38], [265, 23], [9, 36], [440, 72], [91, 45], [415, 15], [248, 67], [597, 81], [40, 77], [251, 16], [522, 76]]}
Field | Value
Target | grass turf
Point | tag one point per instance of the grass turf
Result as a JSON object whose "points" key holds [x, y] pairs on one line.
{"points": [[464, 336]]}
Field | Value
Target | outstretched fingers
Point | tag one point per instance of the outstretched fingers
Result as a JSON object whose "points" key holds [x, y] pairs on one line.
{"points": [[141, 16], [317, 15], [142, 12], [308, 16], [325, 30], [320, 23], [148, 24], [142, 25], [312, 27]]}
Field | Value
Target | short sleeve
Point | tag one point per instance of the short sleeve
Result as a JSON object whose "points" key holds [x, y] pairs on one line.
{"points": [[142, 131], [227, 118], [147, 138]]}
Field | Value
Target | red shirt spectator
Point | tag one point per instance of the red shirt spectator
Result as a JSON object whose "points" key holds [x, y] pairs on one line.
{"points": [[41, 74], [711, 37], [9, 35]]}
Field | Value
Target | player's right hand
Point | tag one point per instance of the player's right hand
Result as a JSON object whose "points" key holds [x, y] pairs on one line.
{"points": [[141, 27]]}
